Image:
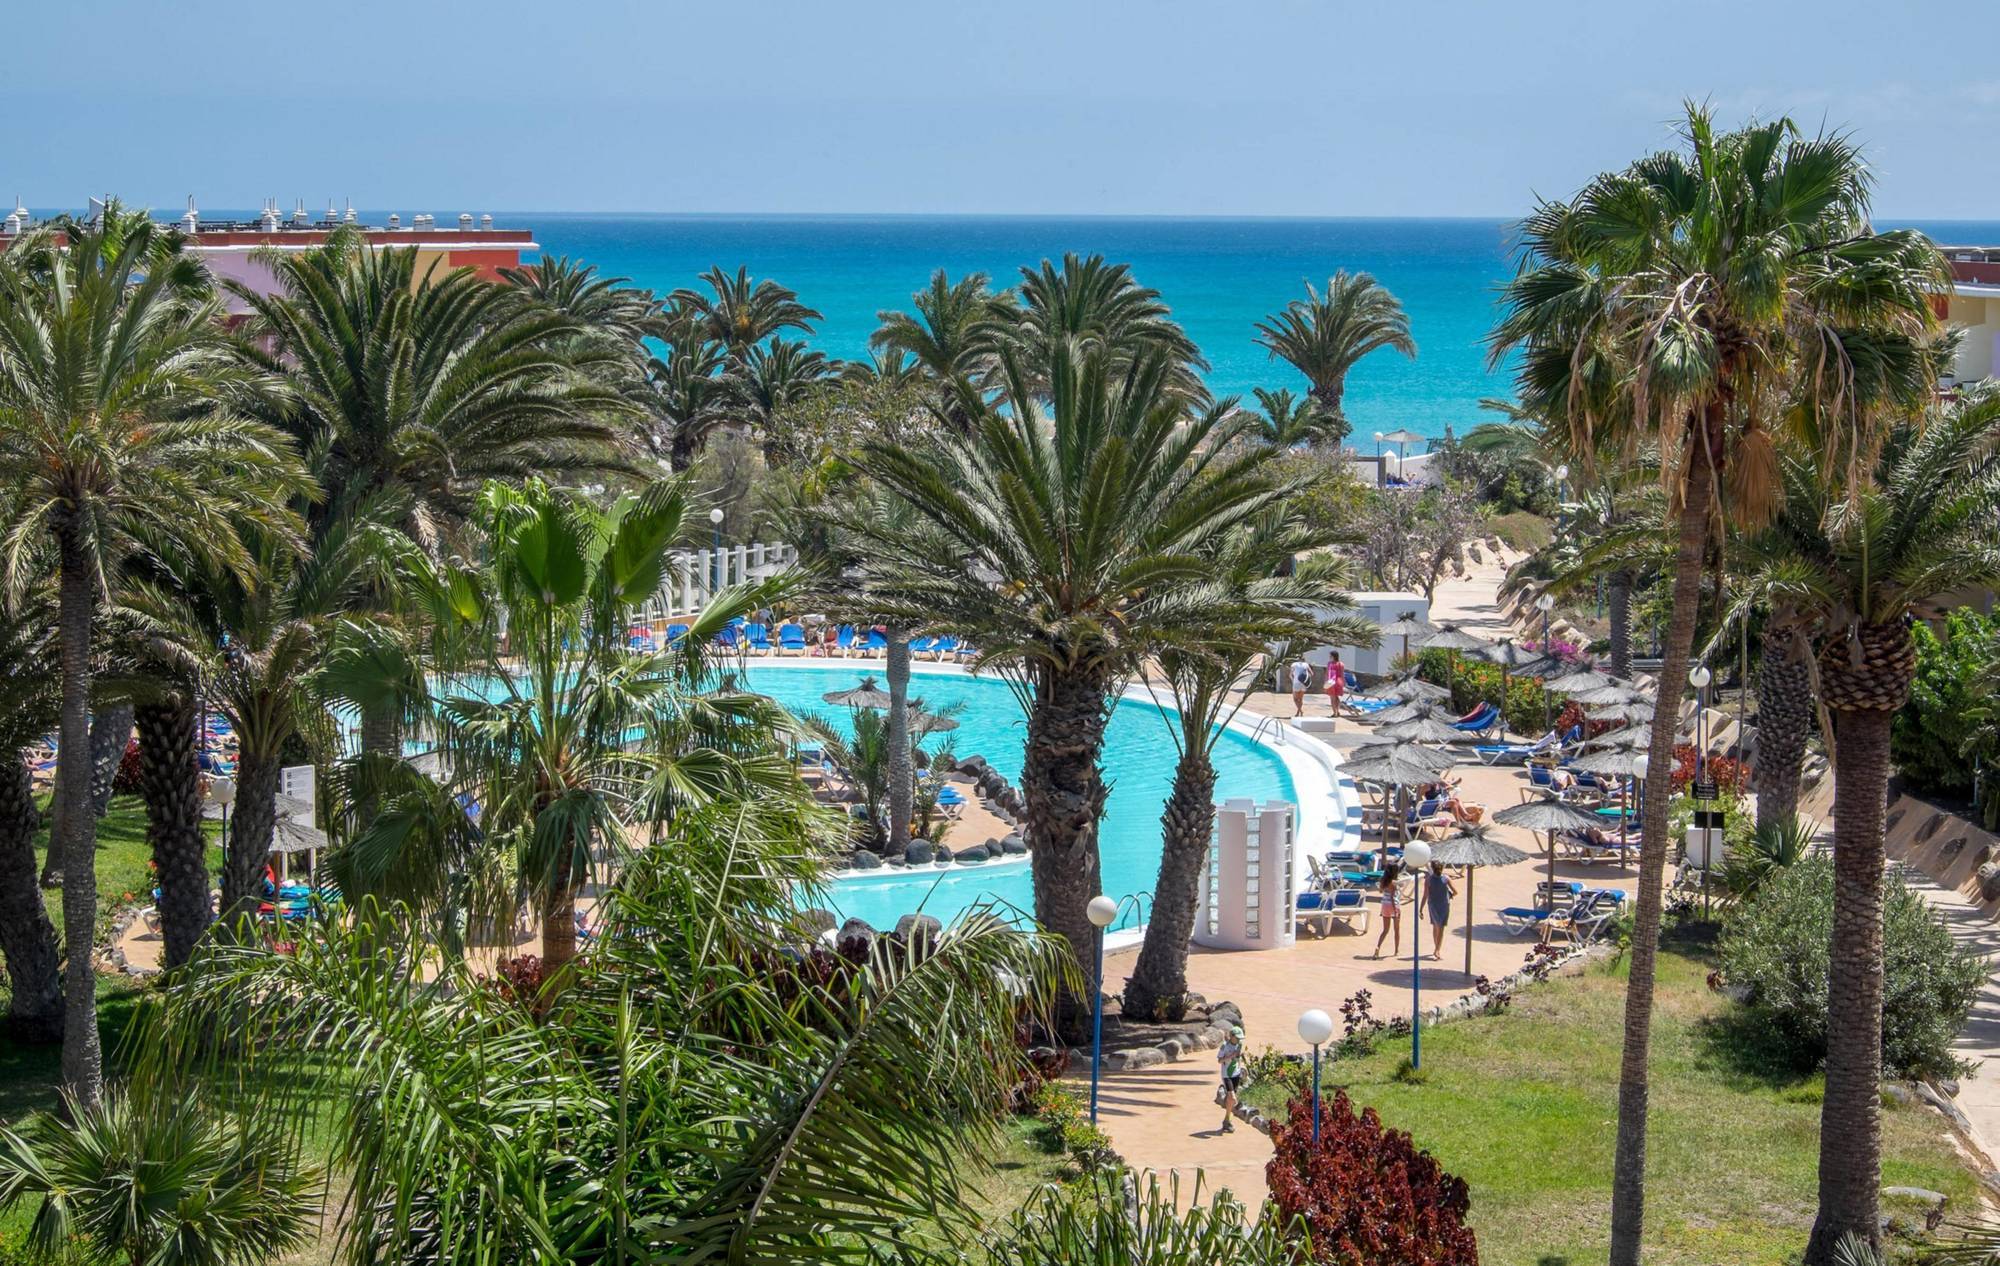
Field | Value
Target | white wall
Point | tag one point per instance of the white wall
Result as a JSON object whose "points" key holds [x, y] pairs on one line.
{"points": [[1378, 609]]}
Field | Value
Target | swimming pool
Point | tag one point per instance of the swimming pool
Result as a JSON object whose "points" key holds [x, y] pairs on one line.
{"points": [[1139, 759]]}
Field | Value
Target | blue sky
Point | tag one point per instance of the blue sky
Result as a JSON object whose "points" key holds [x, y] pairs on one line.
{"points": [[1316, 107]]}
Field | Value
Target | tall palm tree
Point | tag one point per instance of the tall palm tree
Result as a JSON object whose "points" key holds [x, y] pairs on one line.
{"points": [[111, 342], [1095, 303], [1714, 273], [740, 313], [29, 704], [1059, 539], [1872, 554], [169, 717], [610, 307], [942, 335], [1324, 336], [1258, 596], [689, 400], [1286, 421], [773, 377]]}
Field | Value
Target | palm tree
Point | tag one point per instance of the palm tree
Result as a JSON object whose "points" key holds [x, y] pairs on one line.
{"points": [[690, 398], [1324, 336], [163, 1177], [29, 704], [1287, 421], [1713, 274], [1257, 597], [943, 336], [610, 307], [1871, 555], [1056, 540], [1094, 303], [169, 718], [740, 313], [111, 341], [773, 377]]}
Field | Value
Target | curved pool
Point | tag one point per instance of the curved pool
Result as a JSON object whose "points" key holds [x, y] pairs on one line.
{"points": [[1139, 759]]}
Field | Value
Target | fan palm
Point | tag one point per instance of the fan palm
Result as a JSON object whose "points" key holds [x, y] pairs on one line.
{"points": [[1712, 274], [1258, 596], [111, 341], [29, 705], [1870, 556], [1062, 541], [160, 1178], [1324, 336], [942, 335], [740, 313]]}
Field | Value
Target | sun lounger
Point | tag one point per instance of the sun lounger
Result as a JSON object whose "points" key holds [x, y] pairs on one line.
{"points": [[943, 646], [1481, 722], [922, 645], [758, 637], [792, 639], [877, 643], [1320, 908], [843, 641], [675, 632], [727, 639], [1519, 919], [951, 801]]}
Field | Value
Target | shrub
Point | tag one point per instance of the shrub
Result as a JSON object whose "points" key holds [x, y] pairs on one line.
{"points": [[1528, 707], [1775, 947], [1066, 1127], [1940, 730], [1367, 1195]]}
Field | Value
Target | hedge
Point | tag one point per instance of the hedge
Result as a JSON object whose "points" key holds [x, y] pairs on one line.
{"points": [[1529, 708]]}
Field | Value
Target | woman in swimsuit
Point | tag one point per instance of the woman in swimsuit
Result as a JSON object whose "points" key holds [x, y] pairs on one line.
{"points": [[1392, 914]]}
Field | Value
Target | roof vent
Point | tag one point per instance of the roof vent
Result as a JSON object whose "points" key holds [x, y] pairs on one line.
{"points": [[465, 221], [485, 222], [269, 220], [299, 213], [395, 221], [348, 215], [192, 220]]}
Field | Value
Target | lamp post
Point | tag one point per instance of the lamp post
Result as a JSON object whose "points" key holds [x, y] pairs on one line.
{"points": [[715, 555], [1315, 1026], [1101, 911], [1545, 604], [1417, 856], [1381, 475]]}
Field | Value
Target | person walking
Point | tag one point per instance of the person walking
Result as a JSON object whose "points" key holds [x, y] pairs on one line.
{"points": [[1392, 914], [1336, 683], [1229, 1056], [1438, 892], [1302, 676]]}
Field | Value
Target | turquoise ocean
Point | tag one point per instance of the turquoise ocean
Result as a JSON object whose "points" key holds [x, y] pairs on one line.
{"points": [[1220, 276]]}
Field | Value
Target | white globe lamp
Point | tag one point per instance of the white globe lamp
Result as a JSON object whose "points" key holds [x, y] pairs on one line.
{"points": [[1101, 911]]}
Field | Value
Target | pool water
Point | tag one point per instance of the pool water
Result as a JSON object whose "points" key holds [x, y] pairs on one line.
{"points": [[1139, 759]]}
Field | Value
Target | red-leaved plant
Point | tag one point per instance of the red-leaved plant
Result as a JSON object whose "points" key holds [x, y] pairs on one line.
{"points": [[1368, 1195]]}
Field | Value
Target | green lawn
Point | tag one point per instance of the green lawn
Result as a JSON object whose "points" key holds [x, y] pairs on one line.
{"points": [[122, 857], [1523, 1106]]}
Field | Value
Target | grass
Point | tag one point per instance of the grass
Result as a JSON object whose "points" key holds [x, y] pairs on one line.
{"points": [[123, 858], [1523, 1106], [1521, 530]]}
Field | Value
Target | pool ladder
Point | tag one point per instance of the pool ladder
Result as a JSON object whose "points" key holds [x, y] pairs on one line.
{"points": [[1274, 727]]}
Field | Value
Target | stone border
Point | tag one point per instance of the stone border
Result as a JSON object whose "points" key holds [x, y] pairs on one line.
{"points": [[113, 956], [1220, 1017]]}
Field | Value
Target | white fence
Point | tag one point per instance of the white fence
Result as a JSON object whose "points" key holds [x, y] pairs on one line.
{"points": [[695, 575]]}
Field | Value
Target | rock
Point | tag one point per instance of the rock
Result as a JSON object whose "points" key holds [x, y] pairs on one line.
{"points": [[1897, 1093], [1923, 1194], [1989, 881], [977, 853], [972, 765], [941, 854], [912, 926], [1013, 845], [856, 937], [1146, 1057], [1983, 854], [864, 859], [919, 852], [1952, 847], [1948, 1086], [815, 922]]}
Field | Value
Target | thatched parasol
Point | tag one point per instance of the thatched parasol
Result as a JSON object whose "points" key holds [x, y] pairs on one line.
{"points": [[1407, 626], [1427, 728], [1399, 765], [1583, 679], [1452, 638], [1549, 815], [1636, 711], [865, 695], [1468, 851]]}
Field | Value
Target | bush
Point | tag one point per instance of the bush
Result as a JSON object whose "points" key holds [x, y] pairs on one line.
{"points": [[1775, 947], [1521, 529], [1529, 708], [1933, 735], [1366, 1194]]}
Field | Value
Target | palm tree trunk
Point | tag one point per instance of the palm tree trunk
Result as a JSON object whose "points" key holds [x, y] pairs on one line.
{"points": [[559, 925], [75, 834], [110, 734], [1784, 721], [27, 938], [1157, 989], [1062, 785], [251, 821], [900, 774], [1628, 1186], [1864, 694], [1618, 605], [170, 784]]}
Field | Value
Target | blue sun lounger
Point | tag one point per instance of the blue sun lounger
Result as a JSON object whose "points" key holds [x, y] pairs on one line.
{"points": [[792, 637], [1322, 907]]}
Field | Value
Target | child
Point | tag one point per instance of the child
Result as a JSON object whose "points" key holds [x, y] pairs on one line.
{"points": [[1392, 915], [1230, 1056]]}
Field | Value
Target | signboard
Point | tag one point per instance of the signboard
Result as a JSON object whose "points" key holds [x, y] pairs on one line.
{"points": [[1705, 791]]}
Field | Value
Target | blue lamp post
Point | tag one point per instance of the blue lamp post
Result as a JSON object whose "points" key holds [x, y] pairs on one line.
{"points": [[1417, 856], [1101, 911], [1315, 1026]]}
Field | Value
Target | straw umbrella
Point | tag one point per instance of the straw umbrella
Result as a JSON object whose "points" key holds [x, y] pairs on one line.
{"points": [[1428, 728], [1417, 690], [1468, 851], [1546, 814], [865, 695], [1407, 626], [1452, 638], [1636, 712], [1583, 679], [1622, 761], [1606, 694], [1398, 765]]}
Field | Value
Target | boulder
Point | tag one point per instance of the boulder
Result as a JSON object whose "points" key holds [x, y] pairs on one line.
{"points": [[856, 937], [1013, 845], [912, 926], [918, 853], [815, 922], [1989, 881], [972, 765], [977, 853], [864, 859], [941, 854]]}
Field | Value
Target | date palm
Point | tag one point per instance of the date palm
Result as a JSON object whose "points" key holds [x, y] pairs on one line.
{"points": [[1287, 421], [1257, 597], [1088, 301], [1713, 275], [609, 307], [942, 335], [689, 398], [1870, 553], [1324, 335], [740, 313], [29, 705], [111, 343], [1062, 539]]}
